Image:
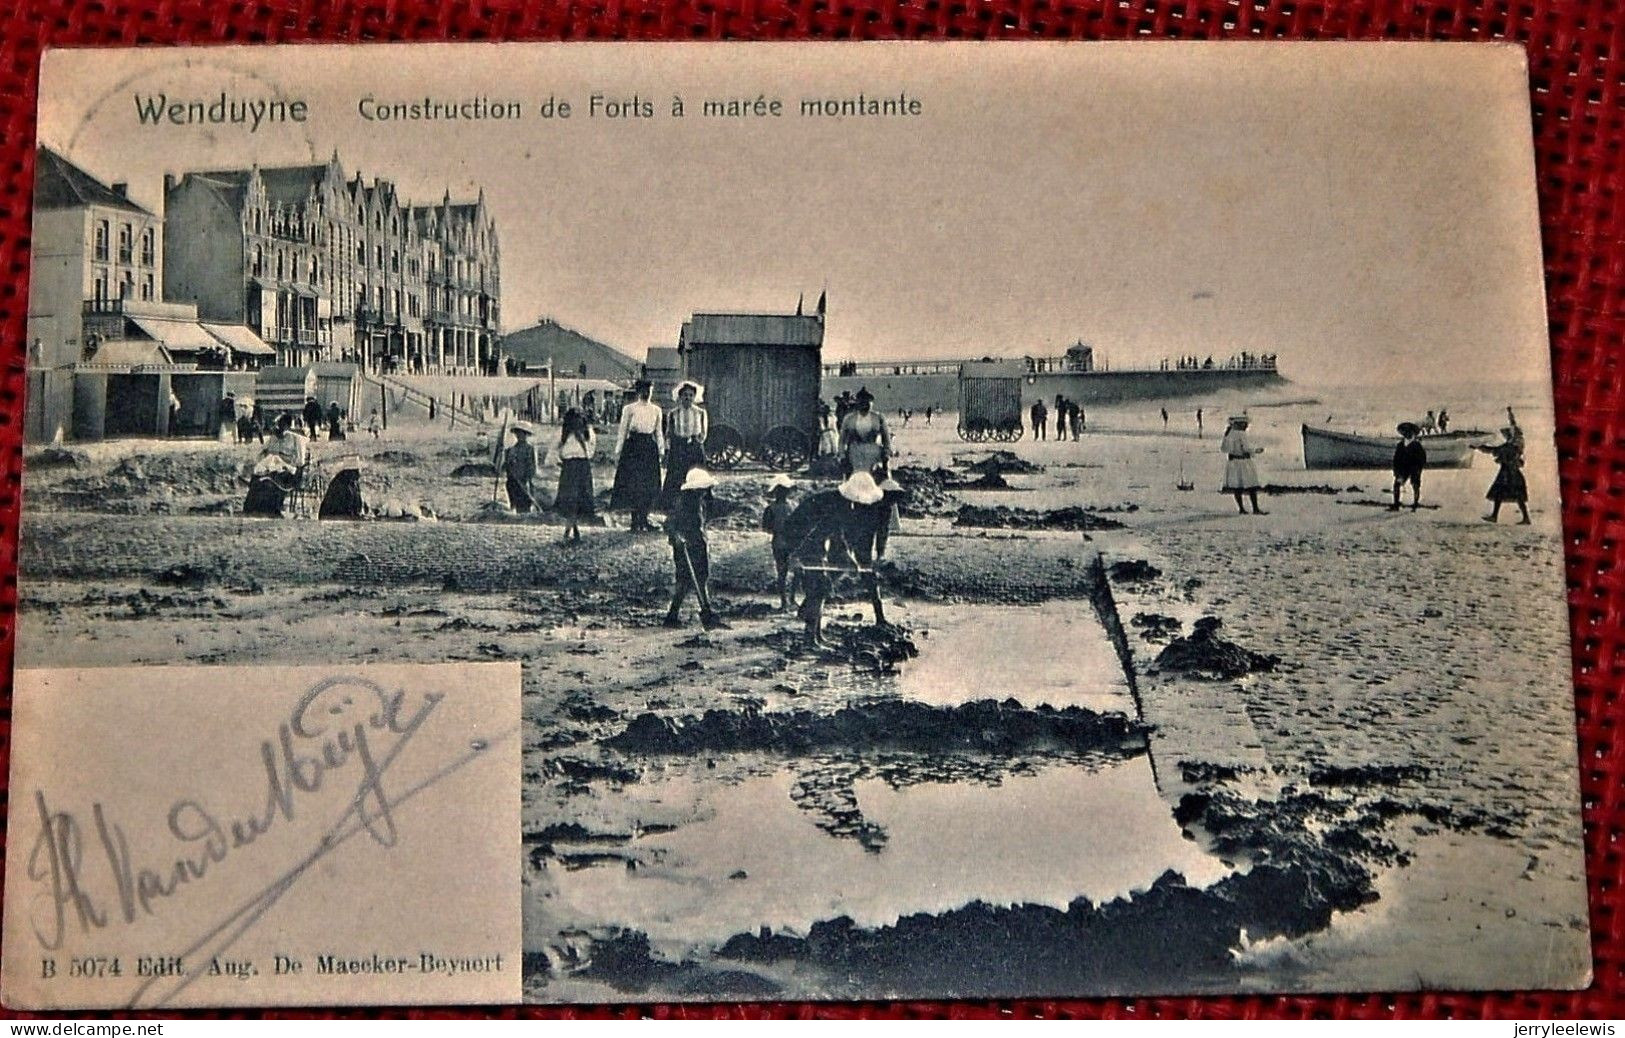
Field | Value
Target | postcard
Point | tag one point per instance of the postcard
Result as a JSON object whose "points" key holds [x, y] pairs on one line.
{"points": [[967, 520]]}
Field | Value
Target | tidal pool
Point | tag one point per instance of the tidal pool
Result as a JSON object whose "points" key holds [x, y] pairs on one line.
{"points": [[1056, 654], [752, 857]]}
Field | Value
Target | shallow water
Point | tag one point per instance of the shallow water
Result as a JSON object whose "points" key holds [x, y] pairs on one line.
{"points": [[752, 858], [1055, 655]]}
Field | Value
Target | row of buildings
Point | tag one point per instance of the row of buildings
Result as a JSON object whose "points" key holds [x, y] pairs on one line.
{"points": [[289, 266]]}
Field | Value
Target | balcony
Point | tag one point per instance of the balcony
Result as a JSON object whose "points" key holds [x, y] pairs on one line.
{"points": [[306, 336], [104, 306], [441, 317]]}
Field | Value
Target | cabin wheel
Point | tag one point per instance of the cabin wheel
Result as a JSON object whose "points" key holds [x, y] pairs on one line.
{"points": [[785, 448], [724, 447]]}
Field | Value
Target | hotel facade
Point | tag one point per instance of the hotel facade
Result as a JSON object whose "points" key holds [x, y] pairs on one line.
{"points": [[325, 267]]}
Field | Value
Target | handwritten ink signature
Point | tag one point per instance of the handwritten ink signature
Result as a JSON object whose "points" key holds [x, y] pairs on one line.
{"points": [[328, 738]]}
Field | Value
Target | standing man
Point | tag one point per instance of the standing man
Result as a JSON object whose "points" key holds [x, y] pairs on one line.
{"points": [[313, 416], [1039, 415], [1198, 423], [690, 553], [519, 468], [174, 414], [638, 447], [686, 428], [1165, 419]]}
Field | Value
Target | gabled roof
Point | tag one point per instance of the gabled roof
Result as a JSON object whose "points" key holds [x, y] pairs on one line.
{"points": [[291, 185], [753, 330], [59, 184], [568, 349]]}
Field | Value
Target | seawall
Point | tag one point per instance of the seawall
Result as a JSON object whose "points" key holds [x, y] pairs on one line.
{"points": [[1095, 387]]}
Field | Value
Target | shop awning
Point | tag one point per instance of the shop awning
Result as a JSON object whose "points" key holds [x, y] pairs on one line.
{"points": [[240, 339], [130, 353], [177, 336]]}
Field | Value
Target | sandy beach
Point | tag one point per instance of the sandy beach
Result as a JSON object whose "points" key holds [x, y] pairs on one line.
{"points": [[1366, 779]]}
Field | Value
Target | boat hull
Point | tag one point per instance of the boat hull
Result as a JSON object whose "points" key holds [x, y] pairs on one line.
{"points": [[1329, 449]]}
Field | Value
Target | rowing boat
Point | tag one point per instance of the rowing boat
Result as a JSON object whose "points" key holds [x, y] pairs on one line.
{"points": [[1329, 449]]}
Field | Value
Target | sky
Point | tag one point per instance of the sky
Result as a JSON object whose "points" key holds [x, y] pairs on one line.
{"points": [[1365, 211]]}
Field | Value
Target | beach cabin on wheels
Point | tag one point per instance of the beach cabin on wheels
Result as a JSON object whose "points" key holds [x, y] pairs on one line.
{"points": [[990, 400], [761, 374], [282, 390]]}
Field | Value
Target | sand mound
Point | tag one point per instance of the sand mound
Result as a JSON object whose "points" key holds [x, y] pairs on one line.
{"points": [[1004, 518], [984, 725], [1205, 655], [999, 463]]}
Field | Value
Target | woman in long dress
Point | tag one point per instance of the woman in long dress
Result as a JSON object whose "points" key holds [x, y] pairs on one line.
{"points": [[686, 427], [1509, 483], [1240, 474], [574, 454], [865, 440], [638, 446]]}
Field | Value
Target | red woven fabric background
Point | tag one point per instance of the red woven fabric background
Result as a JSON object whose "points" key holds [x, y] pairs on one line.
{"points": [[1577, 65]]}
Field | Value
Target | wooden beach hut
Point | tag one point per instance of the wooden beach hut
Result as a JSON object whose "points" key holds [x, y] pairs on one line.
{"points": [[761, 374]]}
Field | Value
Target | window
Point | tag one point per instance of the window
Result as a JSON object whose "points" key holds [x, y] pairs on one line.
{"points": [[100, 292], [361, 254], [280, 270], [126, 243], [126, 288], [149, 247], [394, 261], [259, 261], [146, 287], [257, 226], [101, 239], [379, 252]]}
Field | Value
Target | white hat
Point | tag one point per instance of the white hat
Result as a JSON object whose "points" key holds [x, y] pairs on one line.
{"points": [[860, 488], [698, 479], [699, 390], [522, 426], [781, 480]]}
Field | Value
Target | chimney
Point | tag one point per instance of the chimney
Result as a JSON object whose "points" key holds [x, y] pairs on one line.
{"points": [[169, 183], [121, 188]]}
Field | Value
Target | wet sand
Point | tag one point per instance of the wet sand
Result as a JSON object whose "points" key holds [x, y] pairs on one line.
{"points": [[1416, 740]]}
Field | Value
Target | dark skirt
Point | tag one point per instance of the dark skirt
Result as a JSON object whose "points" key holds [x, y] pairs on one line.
{"points": [[1509, 485], [575, 497], [519, 496], [684, 455], [265, 497], [637, 477], [343, 499]]}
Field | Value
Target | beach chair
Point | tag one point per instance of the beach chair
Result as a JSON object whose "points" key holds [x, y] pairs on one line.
{"points": [[305, 498]]}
